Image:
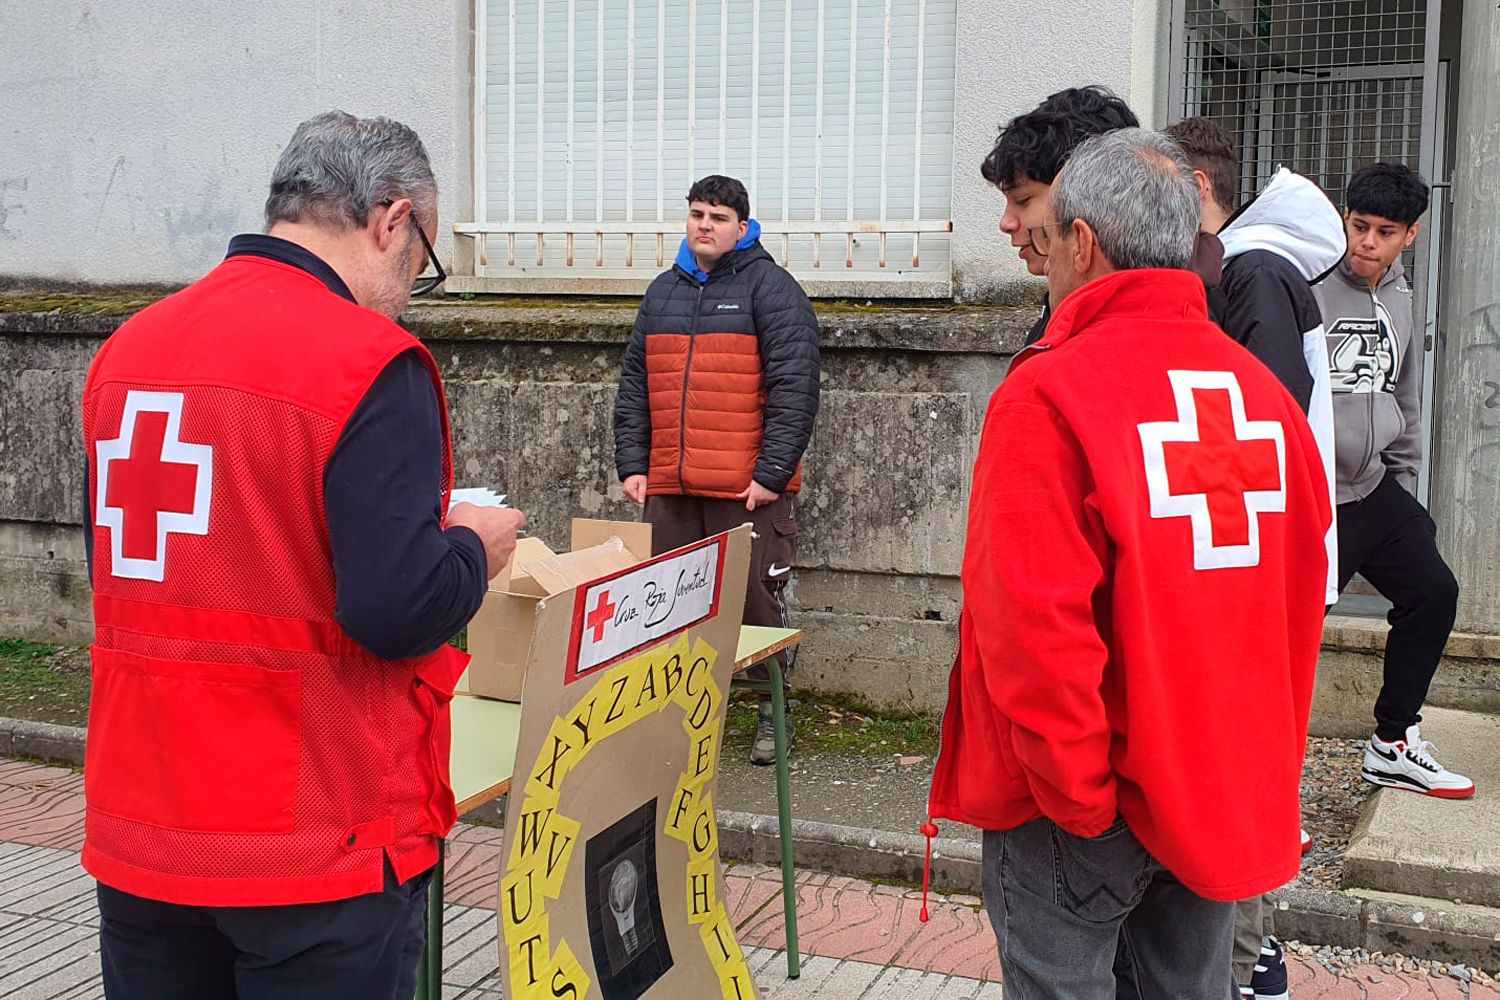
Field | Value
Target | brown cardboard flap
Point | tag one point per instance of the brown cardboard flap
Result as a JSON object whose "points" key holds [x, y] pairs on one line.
{"points": [[559, 573], [637, 790], [635, 534], [500, 637], [514, 578]]}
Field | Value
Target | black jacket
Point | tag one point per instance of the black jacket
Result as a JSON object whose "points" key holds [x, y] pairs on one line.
{"points": [[1267, 305], [1274, 248]]}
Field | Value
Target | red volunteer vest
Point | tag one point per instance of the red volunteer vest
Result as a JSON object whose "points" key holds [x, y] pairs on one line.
{"points": [[242, 750]]}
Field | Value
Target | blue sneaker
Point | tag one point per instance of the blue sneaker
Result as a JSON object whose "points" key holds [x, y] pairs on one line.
{"points": [[1269, 981]]}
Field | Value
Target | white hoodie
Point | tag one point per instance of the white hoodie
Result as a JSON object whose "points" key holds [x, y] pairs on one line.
{"points": [[1292, 220]]}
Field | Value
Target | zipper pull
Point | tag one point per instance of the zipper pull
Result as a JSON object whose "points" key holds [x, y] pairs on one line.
{"points": [[929, 830]]}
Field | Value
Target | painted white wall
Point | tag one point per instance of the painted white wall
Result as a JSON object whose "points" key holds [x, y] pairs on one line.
{"points": [[139, 135], [1011, 55], [1149, 56]]}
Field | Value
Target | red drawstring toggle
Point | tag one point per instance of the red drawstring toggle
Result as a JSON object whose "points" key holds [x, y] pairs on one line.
{"points": [[929, 830]]}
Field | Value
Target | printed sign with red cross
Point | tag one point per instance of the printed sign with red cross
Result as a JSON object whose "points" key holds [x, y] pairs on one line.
{"points": [[150, 484], [1216, 468], [644, 605]]}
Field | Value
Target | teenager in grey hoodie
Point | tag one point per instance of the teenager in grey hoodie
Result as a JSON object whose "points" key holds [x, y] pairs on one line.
{"points": [[1385, 534]]}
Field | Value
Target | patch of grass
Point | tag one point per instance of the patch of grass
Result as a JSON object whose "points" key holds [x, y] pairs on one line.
{"points": [[860, 306], [840, 724], [44, 683], [876, 306]]}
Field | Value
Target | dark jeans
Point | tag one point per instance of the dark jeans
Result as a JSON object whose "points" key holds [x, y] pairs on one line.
{"points": [[1389, 539], [366, 947], [680, 520], [1099, 919]]}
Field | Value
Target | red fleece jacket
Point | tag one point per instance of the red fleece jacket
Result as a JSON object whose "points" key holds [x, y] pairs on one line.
{"points": [[1143, 592]]}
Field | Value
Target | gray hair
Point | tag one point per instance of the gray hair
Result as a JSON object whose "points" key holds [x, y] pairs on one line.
{"points": [[1136, 189], [338, 168]]}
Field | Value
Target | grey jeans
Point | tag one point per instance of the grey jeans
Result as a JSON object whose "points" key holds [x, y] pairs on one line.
{"points": [[1100, 919]]}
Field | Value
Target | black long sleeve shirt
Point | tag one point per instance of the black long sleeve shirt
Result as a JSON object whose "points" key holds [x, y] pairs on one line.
{"points": [[404, 584]]}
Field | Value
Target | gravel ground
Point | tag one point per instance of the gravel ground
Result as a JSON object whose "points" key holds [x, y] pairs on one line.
{"points": [[1344, 962], [1333, 797]]}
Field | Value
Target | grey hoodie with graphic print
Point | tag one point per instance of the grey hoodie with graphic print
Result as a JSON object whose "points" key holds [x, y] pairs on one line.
{"points": [[1376, 380]]}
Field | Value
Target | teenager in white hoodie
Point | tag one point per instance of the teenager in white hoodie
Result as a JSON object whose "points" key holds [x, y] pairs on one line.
{"points": [[1273, 247]]}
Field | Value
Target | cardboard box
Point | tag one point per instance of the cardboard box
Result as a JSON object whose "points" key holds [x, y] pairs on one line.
{"points": [[503, 635], [610, 884]]}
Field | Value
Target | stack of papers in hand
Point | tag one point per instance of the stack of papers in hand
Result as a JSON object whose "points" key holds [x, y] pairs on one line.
{"points": [[479, 496]]}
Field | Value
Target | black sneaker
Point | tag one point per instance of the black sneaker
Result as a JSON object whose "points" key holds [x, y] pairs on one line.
{"points": [[1269, 981], [764, 750]]}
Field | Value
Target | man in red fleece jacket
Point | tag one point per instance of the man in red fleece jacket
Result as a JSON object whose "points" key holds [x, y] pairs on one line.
{"points": [[1144, 569]]}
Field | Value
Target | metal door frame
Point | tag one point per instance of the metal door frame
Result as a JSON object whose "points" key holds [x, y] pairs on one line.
{"points": [[1432, 233], [1432, 132]]}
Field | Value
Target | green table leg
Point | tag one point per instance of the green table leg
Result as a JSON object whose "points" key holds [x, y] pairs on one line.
{"points": [[784, 818], [430, 974]]}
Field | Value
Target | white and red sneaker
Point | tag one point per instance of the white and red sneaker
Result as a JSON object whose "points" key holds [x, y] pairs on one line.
{"points": [[1409, 764], [1306, 841]]}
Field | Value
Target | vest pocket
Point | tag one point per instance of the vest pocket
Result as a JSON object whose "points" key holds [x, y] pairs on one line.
{"points": [[193, 745], [432, 688]]}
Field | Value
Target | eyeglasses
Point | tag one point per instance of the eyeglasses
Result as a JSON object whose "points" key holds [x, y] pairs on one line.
{"points": [[1041, 240], [427, 282]]}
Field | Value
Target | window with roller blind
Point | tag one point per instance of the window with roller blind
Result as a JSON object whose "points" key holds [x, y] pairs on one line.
{"points": [[594, 118]]}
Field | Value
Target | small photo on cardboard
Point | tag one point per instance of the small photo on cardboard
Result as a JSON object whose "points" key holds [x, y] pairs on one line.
{"points": [[626, 932]]}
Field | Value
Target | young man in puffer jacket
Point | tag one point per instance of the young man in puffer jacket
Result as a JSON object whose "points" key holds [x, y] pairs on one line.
{"points": [[717, 399], [1385, 534]]}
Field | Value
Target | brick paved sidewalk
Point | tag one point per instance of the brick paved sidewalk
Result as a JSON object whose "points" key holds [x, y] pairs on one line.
{"points": [[864, 940]]}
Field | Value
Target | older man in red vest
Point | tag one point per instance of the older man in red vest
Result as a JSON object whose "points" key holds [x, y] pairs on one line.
{"points": [[275, 583]]}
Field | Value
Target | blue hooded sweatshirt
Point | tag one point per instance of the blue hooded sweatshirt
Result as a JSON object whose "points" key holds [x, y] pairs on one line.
{"points": [[688, 261]]}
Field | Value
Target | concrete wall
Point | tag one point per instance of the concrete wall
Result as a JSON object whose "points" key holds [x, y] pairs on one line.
{"points": [[1467, 437], [1351, 670], [531, 395], [138, 137]]}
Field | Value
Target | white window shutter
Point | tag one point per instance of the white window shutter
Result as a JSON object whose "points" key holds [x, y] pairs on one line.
{"points": [[602, 114]]}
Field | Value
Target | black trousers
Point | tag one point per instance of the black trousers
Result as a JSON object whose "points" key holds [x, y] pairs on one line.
{"points": [[366, 947], [681, 520], [1390, 540]]}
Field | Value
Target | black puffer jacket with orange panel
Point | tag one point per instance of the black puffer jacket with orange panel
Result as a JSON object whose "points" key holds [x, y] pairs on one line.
{"points": [[720, 380]]}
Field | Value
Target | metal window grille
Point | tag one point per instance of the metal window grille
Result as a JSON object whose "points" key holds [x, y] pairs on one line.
{"points": [[1321, 86], [593, 119]]}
